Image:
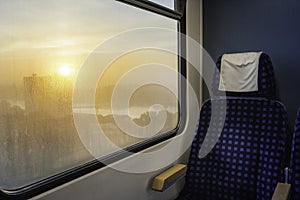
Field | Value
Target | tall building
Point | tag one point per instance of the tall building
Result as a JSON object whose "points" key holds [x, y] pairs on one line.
{"points": [[48, 94]]}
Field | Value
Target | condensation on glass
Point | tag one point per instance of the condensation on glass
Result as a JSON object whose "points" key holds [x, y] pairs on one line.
{"points": [[43, 46]]}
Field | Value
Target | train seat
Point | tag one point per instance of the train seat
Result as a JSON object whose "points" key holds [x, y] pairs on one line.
{"points": [[247, 159], [295, 160]]}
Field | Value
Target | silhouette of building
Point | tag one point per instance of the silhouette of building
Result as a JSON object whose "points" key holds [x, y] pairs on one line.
{"points": [[48, 94]]}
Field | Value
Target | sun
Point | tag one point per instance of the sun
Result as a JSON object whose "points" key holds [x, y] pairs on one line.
{"points": [[65, 70]]}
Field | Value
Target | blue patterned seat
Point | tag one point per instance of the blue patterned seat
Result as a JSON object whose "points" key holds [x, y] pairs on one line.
{"points": [[295, 160], [248, 158]]}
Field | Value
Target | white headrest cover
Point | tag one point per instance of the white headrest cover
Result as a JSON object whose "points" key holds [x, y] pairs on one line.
{"points": [[239, 72]]}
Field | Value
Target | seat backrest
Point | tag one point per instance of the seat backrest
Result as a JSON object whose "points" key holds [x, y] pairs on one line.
{"points": [[248, 158], [295, 160]]}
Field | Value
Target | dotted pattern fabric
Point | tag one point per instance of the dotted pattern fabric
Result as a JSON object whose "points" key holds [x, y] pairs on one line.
{"points": [[295, 160], [248, 158], [266, 80]]}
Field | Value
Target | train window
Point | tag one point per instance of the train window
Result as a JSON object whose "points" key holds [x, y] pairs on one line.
{"points": [[44, 44]]}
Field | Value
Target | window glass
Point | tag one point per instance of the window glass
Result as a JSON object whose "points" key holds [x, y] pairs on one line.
{"points": [[43, 46], [165, 3]]}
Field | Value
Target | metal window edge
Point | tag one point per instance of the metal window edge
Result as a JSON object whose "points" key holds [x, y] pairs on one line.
{"points": [[153, 7]]}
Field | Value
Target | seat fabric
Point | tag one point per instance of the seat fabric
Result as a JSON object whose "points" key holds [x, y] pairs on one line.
{"points": [[295, 160], [247, 160]]}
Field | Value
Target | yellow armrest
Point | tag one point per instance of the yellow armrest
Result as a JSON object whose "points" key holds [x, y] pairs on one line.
{"points": [[282, 191], [165, 179]]}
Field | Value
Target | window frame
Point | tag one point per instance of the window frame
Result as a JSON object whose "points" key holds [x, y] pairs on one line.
{"points": [[66, 176], [155, 8]]}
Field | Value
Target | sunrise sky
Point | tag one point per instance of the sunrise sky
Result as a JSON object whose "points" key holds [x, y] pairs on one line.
{"points": [[49, 36]]}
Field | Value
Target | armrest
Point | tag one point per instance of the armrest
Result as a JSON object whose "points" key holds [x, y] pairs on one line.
{"points": [[282, 191], [168, 177]]}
